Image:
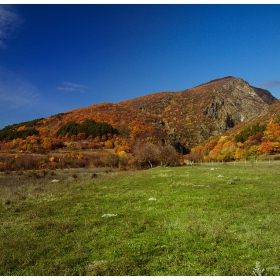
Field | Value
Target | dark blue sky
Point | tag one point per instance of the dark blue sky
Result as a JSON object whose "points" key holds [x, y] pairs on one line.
{"points": [[55, 58]]}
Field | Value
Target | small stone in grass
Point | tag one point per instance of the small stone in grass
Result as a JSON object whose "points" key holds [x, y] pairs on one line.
{"points": [[109, 215], [231, 182], [54, 181]]}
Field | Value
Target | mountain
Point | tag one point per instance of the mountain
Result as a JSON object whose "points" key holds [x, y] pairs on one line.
{"points": [[182, 118]]}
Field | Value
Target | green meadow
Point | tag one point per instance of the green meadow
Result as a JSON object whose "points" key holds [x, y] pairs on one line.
{"points": [[209, 219]]}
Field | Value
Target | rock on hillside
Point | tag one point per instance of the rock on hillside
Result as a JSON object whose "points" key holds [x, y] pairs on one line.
{"points": [[235, 101]]}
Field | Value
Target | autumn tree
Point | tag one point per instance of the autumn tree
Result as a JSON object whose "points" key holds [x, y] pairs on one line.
{"points": [[168, 156], [146, 154], [272, 132], [252, 151], [196, 154], [266, 147]]}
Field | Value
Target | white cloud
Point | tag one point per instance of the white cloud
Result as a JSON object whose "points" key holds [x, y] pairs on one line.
{"points": [[67, 86], [10, 21]]}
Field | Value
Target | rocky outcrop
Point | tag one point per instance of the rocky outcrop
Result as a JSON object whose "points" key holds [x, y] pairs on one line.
{"points": [[235, 101]]}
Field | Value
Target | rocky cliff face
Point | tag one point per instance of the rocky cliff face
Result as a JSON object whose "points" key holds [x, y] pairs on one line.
{"points": [[235, 101]]}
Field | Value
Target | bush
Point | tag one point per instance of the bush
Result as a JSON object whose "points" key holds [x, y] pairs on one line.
{"points": [[168, 156], [126, 161], [22, 162], [147, 154], [277, 157], [109, 159]]}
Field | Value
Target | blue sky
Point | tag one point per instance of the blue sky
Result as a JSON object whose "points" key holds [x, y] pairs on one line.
{"points": [[55, 58]]}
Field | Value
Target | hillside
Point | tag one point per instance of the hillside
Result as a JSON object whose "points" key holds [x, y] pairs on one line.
{"points": [[188, 116], [182, 119]]}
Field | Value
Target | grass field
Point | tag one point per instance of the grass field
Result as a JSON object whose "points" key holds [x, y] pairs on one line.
{"points": [[220, 219]]}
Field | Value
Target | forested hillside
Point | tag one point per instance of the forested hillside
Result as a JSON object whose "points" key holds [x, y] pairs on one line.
{"points": [[258, 137], [202, 123]]}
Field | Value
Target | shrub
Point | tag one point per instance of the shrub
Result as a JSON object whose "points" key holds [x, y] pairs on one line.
{"points": [[109, 159], [126, 161], [277, 157], [147, 154], [168, 156]]}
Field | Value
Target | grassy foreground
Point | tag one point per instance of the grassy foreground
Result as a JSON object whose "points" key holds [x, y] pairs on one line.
{"points": [[192, 220]]}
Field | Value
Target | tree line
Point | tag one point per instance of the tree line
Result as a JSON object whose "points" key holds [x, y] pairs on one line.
{"points": [[89, 127], [10, 133]]}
